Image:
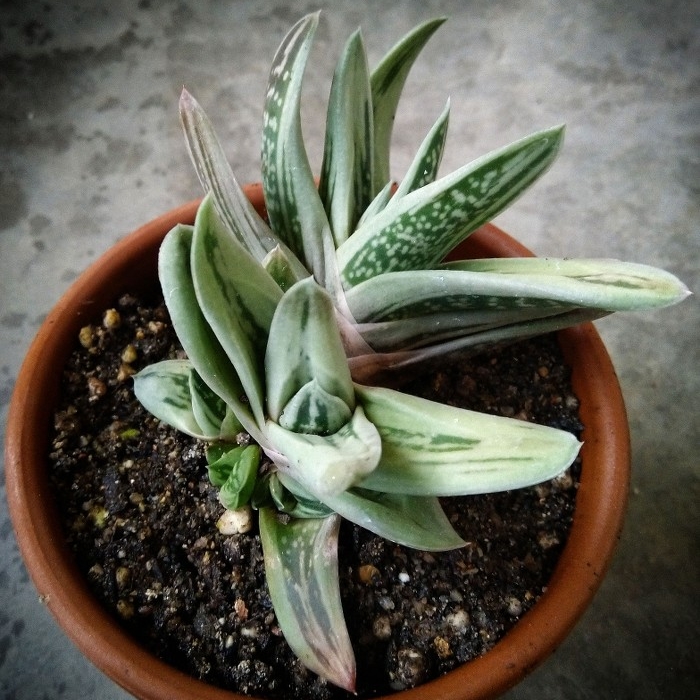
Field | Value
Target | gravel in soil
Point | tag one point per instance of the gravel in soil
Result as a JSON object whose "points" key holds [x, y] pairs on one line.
{"points": [[139, 513]]}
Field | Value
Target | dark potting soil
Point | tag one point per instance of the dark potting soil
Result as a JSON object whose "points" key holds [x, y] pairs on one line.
{"points": [[140, 513]]}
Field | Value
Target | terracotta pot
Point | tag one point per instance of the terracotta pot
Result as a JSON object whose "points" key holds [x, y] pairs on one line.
{"points": [[130, 266]]}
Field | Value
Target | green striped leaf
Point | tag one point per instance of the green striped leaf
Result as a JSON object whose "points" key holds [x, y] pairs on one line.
{"points": [[301, 569], [406, 295], [346, 174], [314, 411], [293, 204], [433, 329], [424, 168], [237, 298], [163, 389], [196, 336], [216, 176], [329, 464], [387, 81], [305, 345], [419, 229], [292, 498], [612, 285], [413, 521], [208, 409], [377, 204], [279, 263], [366, 368], [432, 449]]}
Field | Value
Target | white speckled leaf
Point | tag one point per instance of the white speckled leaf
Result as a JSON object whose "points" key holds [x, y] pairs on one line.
{"points": [[424, 168], [293, 204], [419, 229]]}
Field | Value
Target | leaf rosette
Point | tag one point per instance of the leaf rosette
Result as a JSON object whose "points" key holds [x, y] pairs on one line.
{"points": [[286, 321]]}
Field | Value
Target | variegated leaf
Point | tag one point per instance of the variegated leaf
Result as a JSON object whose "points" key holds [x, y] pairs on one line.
{"points": [[295, 354], [196, 336], [215, 174], [293, 203], [433, 449], [208, 409], [387, 81], [328, 464], [436, 328], [406, 295], [314, 411], [365, 368], [612, 285], [424, 168], [238, 299], [413, 521], [346, 174], [377, 204], [163, 389], [279, 263], [422, 227], [292, 498], [301, 568]]}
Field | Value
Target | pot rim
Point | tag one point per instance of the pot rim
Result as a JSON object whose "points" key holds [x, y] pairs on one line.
{"points": [[598, 516]]}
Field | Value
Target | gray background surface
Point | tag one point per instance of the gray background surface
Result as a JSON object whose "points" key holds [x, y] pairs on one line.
{"points": [[90, 148]]}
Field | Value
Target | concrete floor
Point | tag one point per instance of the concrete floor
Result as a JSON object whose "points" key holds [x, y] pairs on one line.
{"points": [[91, 148]]}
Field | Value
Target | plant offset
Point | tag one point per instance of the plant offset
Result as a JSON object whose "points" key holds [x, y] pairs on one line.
{"points": [[287, 325]]}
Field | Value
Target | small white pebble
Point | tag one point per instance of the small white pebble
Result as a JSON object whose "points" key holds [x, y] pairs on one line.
{"points": [[515, 607], [404, 577], [458, 620], [234, 522]]}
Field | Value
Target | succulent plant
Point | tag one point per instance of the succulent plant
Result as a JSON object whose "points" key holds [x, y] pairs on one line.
{"points": [[379, 252], [280, 322], [271, 363]]}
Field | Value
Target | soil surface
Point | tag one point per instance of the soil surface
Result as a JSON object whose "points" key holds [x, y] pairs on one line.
{"points": [[140, 513]]}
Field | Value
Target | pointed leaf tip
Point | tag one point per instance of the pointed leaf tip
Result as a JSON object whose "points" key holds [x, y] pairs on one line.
{"points": [[301, 567]]}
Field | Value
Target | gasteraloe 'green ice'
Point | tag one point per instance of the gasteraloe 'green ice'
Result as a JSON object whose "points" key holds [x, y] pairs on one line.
{"points": [[281, 318], [272, 363]]}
